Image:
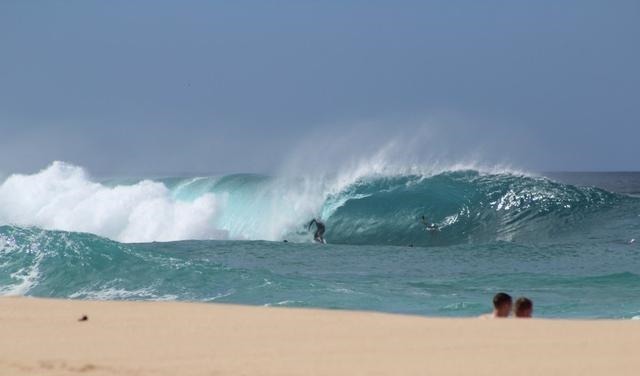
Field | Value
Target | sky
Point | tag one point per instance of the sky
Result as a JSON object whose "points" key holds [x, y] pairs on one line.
{"points": [[177, 87]]}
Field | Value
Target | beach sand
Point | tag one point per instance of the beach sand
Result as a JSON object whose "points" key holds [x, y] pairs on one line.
{"points": [[44, 337]]}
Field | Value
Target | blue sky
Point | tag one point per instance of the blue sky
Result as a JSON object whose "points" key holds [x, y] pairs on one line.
{"points": [[165, 87]]}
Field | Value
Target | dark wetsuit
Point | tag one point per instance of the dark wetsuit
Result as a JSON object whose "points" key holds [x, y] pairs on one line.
{"points": [[319, 234], [429, 226]]}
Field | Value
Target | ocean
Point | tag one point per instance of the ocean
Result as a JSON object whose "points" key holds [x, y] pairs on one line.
{"points": [[568, 241]]}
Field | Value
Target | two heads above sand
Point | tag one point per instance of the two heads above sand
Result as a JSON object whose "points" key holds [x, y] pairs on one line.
{"points": [[503, 305]]}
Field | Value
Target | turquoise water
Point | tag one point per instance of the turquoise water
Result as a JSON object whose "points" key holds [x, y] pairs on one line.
{"points": [[567, 247]]}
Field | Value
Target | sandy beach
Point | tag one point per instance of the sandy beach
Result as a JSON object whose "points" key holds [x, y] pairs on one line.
{"points": [[44, 337]]}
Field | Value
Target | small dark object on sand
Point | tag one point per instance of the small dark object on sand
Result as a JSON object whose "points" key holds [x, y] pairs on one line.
{"points": [[84, 318]]}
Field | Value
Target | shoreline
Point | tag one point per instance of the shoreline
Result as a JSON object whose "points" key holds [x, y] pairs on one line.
{"points": [[44, 337]]}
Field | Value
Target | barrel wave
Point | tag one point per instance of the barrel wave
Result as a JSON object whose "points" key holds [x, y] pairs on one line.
{"points": [[367, 207]]}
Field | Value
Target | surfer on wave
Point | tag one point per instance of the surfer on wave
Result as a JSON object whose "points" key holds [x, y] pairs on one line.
{"points": [[429, 226], [318, 236]]}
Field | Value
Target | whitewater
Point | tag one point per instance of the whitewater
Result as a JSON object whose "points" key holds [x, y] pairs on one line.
{"points": [[221, 238]]}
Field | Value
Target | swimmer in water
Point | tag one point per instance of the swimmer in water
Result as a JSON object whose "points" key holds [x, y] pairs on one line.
{"points": [[318, 236], [523, 308], [429, 226]]}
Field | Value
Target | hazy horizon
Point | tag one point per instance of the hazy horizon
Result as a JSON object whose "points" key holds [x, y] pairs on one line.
{"points": [[180, 88]]}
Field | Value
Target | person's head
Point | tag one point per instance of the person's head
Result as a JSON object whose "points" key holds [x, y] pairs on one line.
{"points": [[523, 308], [502, 303]]}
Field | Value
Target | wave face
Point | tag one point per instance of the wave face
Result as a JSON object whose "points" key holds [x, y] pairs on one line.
{"points": [[469, 207], [365, 206]]}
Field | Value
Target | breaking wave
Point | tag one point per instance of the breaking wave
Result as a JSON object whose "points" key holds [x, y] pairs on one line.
{"points": [[372, 204]]}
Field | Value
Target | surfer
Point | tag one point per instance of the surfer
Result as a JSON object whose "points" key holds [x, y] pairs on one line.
{"points": [[318, 236], [429, 226]]}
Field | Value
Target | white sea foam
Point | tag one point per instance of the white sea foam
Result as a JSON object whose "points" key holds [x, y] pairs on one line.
{"points": [[63, 197], [112, 293], [26, 278]]}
